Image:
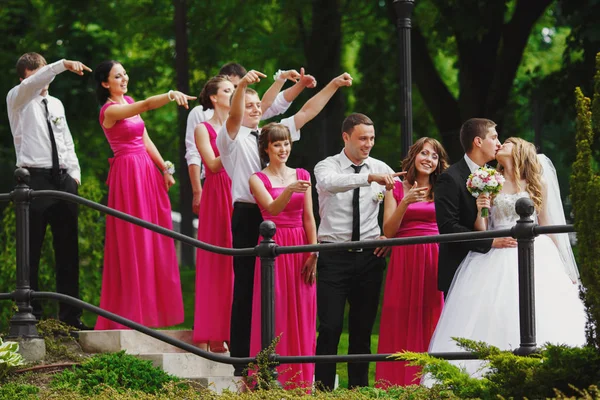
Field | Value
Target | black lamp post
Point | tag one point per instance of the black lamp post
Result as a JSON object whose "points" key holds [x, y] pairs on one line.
{"points": [[403, 25]]}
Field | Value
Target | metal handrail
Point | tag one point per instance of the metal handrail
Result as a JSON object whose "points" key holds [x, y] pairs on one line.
{"points": [[23, 322]]}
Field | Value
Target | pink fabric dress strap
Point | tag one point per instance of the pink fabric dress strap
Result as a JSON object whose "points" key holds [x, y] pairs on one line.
{"points": [[265, 179], [398, 191], [302, 174]]}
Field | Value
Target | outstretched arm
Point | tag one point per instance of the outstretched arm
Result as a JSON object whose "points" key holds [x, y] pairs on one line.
{"points": [[316, 103], [118, 112], [31, 86], [236, 112], [271, 93]]}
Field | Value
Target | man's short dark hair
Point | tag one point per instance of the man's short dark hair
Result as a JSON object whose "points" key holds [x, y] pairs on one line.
{"points": [[355, 119], [233, 69], [31, 62], [473, 128]]}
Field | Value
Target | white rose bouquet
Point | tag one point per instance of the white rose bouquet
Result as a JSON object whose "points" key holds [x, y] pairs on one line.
{"points": [[485, 180]]}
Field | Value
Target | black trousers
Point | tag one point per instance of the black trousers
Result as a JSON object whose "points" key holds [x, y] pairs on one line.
{"points": [[356, 278], [245, 222], [62, 217]]}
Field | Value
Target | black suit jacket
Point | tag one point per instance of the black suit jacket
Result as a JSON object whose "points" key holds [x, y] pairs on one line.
{"points": [[456, 211]]}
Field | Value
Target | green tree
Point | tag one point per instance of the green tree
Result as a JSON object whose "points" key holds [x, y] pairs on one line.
{"points": [[585, 193]]}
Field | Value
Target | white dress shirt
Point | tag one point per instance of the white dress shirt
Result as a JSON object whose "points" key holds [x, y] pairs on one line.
{"points": [[336, 181], [27, 118], [471, 164], [199, 115], [240, 158]]}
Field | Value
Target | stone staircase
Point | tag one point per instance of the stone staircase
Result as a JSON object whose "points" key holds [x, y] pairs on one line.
{"points": [[177, 362]]}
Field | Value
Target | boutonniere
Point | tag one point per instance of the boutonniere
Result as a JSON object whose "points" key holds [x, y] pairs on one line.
{"points": [[57, 121], [378, 197]]}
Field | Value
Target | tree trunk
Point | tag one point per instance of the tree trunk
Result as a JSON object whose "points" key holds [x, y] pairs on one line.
{"points": [[183, 85], [322, 136]]}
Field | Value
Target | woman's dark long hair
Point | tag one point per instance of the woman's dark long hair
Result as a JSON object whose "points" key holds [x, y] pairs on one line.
{"points": [[101, 73], [211, 88]]}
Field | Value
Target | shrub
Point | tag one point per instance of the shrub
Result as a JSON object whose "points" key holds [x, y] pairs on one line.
{"points": [[91, 253], [59, 341], [119, 371], [12, 391], [555, 368], [585, 192]]}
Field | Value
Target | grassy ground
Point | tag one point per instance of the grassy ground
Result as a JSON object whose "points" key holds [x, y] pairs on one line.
{"points": [[188, 277]]}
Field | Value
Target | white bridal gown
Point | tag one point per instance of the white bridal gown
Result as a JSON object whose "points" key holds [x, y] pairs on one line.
{"points": [[483, 301]]}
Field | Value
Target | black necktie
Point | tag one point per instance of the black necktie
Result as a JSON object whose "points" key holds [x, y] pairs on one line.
{"points": [[52, 141], [263, 164], [356, 208]]}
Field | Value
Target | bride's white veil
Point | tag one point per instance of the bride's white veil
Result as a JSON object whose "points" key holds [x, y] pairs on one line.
{"points": [[556, 216]]}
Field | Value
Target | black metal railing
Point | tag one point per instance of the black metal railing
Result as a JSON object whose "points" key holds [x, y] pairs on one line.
{"points": [[23, 323]]}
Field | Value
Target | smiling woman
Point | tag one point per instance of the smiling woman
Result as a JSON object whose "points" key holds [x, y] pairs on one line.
{"points": [[411, 297], [283, 195], [141, 276]]}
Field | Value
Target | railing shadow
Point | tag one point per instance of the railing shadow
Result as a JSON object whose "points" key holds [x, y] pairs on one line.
{"points": [[23, 323]]}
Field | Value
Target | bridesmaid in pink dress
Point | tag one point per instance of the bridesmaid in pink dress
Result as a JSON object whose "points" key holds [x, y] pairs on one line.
{"points": [[141, 277], [214, 272], [284, 197], [412, 303]]}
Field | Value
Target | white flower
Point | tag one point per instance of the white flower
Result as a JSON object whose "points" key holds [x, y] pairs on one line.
{"points": [[57, 121], [492, 183], [378, 197], [477, 182]]}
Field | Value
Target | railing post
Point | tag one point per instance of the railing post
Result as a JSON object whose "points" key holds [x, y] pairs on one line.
{"points": [[523, 232], [22, 324], [267, 285], [404, 25]]}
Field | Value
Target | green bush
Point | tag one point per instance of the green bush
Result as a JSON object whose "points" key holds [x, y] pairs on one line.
{"points": [[120, 371], [556, 369], [12, 391], [585, 193], [91, 254]]}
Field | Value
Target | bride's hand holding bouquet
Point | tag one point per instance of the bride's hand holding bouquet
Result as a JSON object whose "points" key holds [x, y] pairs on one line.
{"points": [[486, 181]]}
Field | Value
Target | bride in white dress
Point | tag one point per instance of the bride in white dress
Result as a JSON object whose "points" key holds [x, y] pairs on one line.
{"points": [[483, 302]]}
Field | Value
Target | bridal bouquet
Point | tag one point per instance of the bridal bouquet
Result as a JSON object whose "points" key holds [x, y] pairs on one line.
{"points": [[485, 180]]}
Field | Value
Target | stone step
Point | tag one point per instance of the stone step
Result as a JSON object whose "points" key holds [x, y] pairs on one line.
{"points": [[188, 366], [133, 342], [219, 384]]}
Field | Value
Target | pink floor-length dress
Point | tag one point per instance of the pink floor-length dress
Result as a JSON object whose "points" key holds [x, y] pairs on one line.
{"points": [[295, 300], [140, 280], [412, 303], [214, 272]]}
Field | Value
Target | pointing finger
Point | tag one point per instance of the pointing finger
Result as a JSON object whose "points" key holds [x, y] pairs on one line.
{"points": [[399, 173]]}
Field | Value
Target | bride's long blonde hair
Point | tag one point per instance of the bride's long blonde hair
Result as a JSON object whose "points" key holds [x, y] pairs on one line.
{"points": [[526, 166]]}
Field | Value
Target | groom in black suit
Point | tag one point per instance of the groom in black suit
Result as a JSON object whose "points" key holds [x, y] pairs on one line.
{"points": [[455, 207]]}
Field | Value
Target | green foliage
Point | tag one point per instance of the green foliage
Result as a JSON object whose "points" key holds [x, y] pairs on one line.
{"points": [[120, 371], [9, 357], [260, 374], [505, 375], [91, 254], [11, 391], [585, 194], [59, 341]]}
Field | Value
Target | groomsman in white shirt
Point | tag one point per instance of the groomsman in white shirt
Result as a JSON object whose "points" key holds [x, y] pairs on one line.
{"points": [[44, 146], [238, 145], [350, 186], [235, 72]]}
